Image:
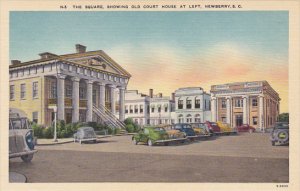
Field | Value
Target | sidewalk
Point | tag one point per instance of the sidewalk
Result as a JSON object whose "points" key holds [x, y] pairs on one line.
{"points": [[44, 142]]}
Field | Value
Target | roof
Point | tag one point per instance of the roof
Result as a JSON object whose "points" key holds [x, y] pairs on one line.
{"points": [[67, 57]]}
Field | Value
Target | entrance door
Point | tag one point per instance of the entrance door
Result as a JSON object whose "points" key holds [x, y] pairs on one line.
{"points": [[238, 120]]}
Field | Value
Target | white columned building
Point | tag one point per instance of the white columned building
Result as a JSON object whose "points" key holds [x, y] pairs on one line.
{"points": [[75, 83], [254, 103]]}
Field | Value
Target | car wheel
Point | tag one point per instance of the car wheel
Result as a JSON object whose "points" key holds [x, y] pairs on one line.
{"points": [[250, 130], [150, 143], [273, 143], [134, 141], [27, 158]]}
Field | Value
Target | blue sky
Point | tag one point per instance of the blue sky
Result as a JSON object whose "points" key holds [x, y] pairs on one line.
{"points": [[202, 44]]}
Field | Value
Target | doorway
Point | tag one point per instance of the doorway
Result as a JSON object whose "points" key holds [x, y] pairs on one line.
{"points": [[238, 120]]}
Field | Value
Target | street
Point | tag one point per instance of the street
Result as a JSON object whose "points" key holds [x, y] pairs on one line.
{"points": [[242, 158]]}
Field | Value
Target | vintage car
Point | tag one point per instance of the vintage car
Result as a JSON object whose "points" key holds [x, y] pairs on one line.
{"points": [[280, 133], [245, 128], [21, 143], [225, 128], [173, 133], [213, 127], [85, 134], [201, 129], [186, 128], [153, 135]]}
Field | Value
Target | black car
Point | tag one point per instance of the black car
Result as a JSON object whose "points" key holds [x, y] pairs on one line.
{"points": [[280, 133], [186, 128]]}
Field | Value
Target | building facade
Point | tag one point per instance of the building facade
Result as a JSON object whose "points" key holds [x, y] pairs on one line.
{"points": [[76, 84], [254, 103], [192, 105], [148, 109]]}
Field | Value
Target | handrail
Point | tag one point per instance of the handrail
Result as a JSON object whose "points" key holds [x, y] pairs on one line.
{"points": [[108, 116]]}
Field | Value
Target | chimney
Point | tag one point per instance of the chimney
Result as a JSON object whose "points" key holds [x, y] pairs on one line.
{"points": [[80, 48], [151, 93], [160, 95], [46, 55], [14, 62], [173, 97]]}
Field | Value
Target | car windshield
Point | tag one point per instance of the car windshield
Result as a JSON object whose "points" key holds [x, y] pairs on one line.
{"points": [[214, 124], [18, 123], [281, 125], [186, 126]]}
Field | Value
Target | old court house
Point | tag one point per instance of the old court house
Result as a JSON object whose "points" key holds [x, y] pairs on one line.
{"points": [[78, 83]]}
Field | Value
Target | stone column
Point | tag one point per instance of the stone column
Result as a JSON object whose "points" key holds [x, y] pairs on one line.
{"points": [[61, 97], [228, 109], [112, 98], [245, 109], [213, 109], [89, 97], [261, 112], [75, 99], [121, 104], [101, 95]]}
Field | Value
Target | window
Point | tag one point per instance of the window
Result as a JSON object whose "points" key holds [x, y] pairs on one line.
{"points": [[81, 93], [131, 109], [94, 96], [11, 92], [254, 120], [148, 110], [53, 90], [223, 103], [189, 118], [126, 108], [159, 109], [152, 110], [197, 118], [166, 108], [197, 103], [35, 89], [141, 108], [35, 117], [180, 118], [238, 103], [254, 102], [223, 119], [23, 91], [180, 104], [136, 109], [188, 104], [68, 90]]}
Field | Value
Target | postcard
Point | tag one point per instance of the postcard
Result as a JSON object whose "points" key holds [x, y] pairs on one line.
{"points": [[149, 95]]}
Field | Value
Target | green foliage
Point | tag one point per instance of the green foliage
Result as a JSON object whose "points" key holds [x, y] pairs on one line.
{"points": [[283, 117], [48, 132], [130, 128], [129, 124], [37, 130]]}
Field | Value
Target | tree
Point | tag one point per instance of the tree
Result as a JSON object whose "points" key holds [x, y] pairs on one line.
{"points": [[284, 117]]}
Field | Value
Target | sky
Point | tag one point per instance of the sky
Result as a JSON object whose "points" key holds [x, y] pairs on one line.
{"points": [[167, 50]]}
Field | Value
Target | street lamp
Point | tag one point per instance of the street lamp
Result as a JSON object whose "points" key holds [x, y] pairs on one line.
{"points": [[55, 111]]}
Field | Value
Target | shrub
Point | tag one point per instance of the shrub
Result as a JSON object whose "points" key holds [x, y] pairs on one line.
{"points": [[48, 132], [37, 130], [130, 128]]}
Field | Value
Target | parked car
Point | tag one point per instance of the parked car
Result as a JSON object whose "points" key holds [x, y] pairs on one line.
{"points": [[186, 128], [225, 128], [85, 134], [153, 135], [246, 128], [213, 127], [21, 143], [201, 129], [280, 133], [173, 133]]}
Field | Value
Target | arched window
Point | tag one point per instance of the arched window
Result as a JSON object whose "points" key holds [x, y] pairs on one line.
{"points": [[189, 118], [197, 118], [180, 118]]}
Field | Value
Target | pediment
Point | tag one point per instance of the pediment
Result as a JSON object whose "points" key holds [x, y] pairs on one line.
{"points": [[99, 63]]}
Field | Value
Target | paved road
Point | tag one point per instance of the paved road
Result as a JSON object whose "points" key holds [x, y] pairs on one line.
{"points": [[242, 158]]}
